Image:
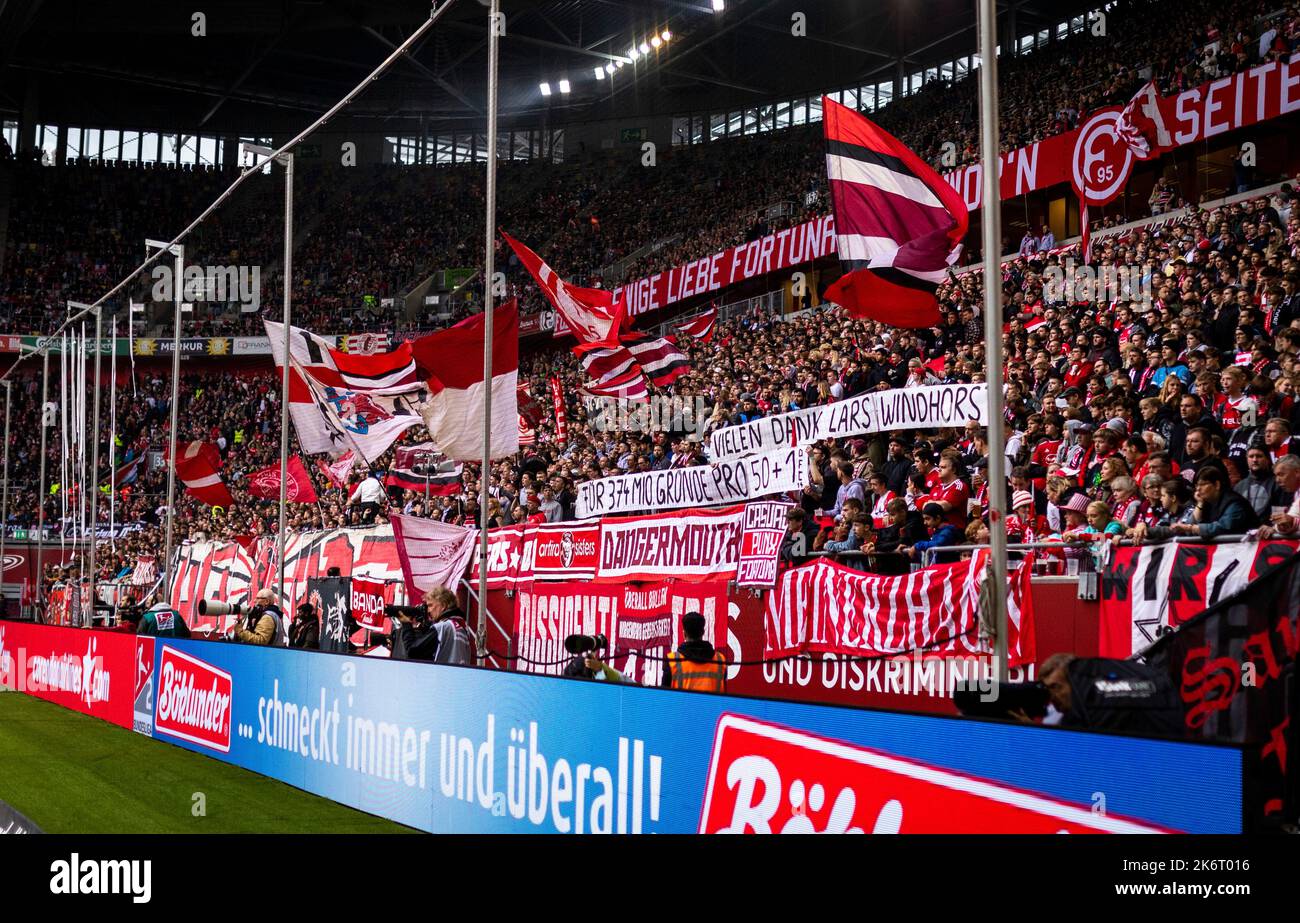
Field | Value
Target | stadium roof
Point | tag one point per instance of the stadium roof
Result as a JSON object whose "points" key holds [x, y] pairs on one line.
{"points": [[263, 65]]}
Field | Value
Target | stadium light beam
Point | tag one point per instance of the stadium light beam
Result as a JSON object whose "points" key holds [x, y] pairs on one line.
{"points": [[986, 11], [643, 48], [600, 73], [656, 41], [565, 86], [719, 5], [666, 35], [545, 88], [633, 53]]}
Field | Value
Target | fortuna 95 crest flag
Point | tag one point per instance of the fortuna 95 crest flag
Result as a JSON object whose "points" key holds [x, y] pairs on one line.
{"points": [[899, 225], [592, 314], [298, 489]]}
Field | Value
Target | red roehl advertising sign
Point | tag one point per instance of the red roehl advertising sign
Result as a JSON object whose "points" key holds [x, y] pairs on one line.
{"points": [[764, 778], [193, 700], [72, 667]]}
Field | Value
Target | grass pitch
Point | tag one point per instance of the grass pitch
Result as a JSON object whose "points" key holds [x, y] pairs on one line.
{"points": [[70, 773]]}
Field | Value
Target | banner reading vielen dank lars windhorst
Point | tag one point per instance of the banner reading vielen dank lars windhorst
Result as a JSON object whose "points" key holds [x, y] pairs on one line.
{"points": [[873, 412], [730, 481]]}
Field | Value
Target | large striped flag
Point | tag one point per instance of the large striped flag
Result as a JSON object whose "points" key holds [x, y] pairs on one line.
{"points": [[424, 469], [432, 553], [624, 386], [659, 358], [614, 373], [340, 401], [198, 464], [1141, 125], [898, 224], [700, 327], [591, 313]]}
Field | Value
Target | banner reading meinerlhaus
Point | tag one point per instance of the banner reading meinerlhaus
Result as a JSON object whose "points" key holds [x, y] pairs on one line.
{"points": [[874, 412], [730, 481]]}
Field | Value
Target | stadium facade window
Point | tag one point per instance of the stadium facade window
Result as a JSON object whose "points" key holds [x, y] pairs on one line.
{"points": [[131, 146], [782, 115], [734, 122], [1078, 24], [946, 72], [112, 146], [557, 145], [480, 148], [884, 94], [189, 150], [799, 112], [931, 73], [717, 126], [681, 129], [850, 98], [72, 142], [697, 129], [9, 131], [751, 121], [149, 147], [1044, 36], [961, 68], [867, 98], [914, 83], [765, 114], [814, 109], [445, 149], [90, 141], [208, 151]]}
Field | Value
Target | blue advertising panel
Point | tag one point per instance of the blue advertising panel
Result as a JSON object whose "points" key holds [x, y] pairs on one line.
{"points": [[450, 749]]}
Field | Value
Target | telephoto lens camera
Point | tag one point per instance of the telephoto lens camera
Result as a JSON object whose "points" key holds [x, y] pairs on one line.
{"points": [[213, 607], [414, 613], [585, 644]]}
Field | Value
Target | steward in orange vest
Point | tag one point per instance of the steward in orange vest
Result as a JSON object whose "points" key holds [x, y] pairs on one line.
{"points": [[695, 665]]}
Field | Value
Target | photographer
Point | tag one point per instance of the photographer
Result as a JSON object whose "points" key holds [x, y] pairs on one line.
{"points": [[264, 624], [304, 633], [590, 666], [444, 637]]}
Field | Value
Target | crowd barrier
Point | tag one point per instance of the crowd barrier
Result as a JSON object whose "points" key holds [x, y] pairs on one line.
{"points": [[452, 749]]}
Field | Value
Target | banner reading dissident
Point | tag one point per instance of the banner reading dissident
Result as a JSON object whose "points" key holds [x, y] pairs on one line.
{"points": [[728, 481], [454, 749], [874, 412]]}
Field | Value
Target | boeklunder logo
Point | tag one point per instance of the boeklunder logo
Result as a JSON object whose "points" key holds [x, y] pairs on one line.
{"points": [[194, 701]]}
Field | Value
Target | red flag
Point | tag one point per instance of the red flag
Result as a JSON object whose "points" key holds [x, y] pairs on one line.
{"points": [[591, 313], [701, 326], [198, 464], [659, 358], [338, 472], [898, 224], [299, 489], [1141, 124], [561, 419]]}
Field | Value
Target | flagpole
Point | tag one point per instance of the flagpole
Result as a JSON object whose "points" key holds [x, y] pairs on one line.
{"points": [[112, 437], [178, 288], [992, 227], [40, 499], [287, 160], [94, 467], [4, 503], [489, 270]]}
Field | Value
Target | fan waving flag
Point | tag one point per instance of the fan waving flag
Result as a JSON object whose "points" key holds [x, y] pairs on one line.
{"points": [[198, 464], [899, 225], [298, 486], [1141, 125], [700, 327], [452, 359], [591, 313]]}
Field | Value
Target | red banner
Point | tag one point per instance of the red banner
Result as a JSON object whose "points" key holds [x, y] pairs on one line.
{"points": [[760, 543], [800, 244], [1148, 591], [637, 620], [764, 778], [77, 668], [829, 608], [561, 420], [368, 603]]}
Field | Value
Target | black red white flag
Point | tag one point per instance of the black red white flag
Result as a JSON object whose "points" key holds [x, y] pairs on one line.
{"points": [[423, 469], [701, 326], [592, 314], [899, 225], [1141, 125], [659, 358]]}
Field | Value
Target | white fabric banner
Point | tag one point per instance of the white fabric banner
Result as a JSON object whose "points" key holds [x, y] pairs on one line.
{"points": [[874, 412], [730, 481]]}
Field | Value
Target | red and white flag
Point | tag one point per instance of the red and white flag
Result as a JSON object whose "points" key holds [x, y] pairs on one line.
{"points": [[700, 327], [1141, 124], [340, 401], [432, 553], [198, 465], [659, 358], [423, 469], [899, 225], [591, 313], [298, 486], [629, 386], [561, 418], [453, 361], [614, 373], [529, 415], [365, 344], [337, 472]]}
